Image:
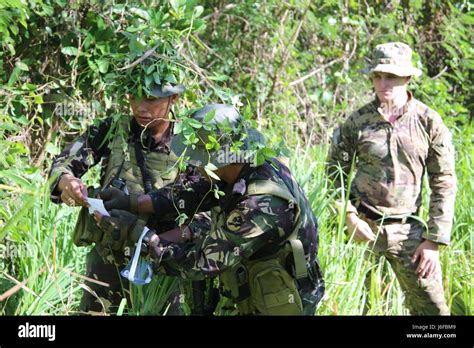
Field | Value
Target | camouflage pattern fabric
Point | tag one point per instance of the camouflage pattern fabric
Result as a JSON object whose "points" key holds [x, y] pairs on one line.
{"points": [[76, 159], [104, 299], [393, 58], [92, 148], [391, 160], [244, 228], [397, 242]]}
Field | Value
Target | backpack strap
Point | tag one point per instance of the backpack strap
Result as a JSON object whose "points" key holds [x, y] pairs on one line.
{"points": [[293, 244]]}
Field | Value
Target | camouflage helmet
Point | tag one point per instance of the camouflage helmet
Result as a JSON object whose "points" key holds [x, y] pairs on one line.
{"points": [[228, 127], [159, 89], [393, 58], [166, 90]]}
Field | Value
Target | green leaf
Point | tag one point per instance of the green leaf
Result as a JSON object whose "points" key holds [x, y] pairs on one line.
{"points": [[17, 179], [211, 174], [211, 166], [269, 153], [52, 149], [39, 99], [140, 13], [209, 116], [220, 77], [29, 86], [170, 78], [14, 76], [21, 119], [327, 97], [156, 77], [198, 10], [175, 5], [178, 127], [150, 69], [22, 66], [194, 123], [92, 65], [123, 303], [70, 51], [148, 80], [103, 66]]}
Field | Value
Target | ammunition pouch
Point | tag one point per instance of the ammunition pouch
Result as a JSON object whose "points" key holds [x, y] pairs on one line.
{"points": [[264, 286], [86, 231]]}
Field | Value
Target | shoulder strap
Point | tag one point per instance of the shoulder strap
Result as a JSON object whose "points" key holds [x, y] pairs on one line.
{"points": [[294, 245], [146, 177], [268, 187]]}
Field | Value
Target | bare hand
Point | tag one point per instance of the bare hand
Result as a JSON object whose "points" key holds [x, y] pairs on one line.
{"points": [[181, 234], [97, 217], [73, 190], [359, 229], [428, 254]]}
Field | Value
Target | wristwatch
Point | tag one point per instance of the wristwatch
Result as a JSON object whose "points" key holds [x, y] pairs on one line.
{"points": [[146, 241]]}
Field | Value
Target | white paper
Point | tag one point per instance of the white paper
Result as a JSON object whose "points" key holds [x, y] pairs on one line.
{"points": [[97, 205]]}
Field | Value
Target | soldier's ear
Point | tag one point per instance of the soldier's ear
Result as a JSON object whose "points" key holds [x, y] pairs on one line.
{"points": [[173, 98]]}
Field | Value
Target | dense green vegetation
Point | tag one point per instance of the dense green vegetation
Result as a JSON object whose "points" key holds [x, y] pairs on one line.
{"points": [[293, 65]]}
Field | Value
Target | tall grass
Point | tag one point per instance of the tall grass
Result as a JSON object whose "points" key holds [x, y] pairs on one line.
{"points": [[36, 249], [343, 261]]}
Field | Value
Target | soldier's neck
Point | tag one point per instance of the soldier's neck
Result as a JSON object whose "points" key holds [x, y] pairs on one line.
{"points": [[392, 109], [230, 173], [160, 130], [400, 101]]}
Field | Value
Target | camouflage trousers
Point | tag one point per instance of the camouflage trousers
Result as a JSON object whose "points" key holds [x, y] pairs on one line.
{"points": [[397, 242], [100, 298], [104, 298]]}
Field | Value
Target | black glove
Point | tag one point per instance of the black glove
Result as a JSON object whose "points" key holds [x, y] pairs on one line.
{"points": [[120, 227], [116, 199]]}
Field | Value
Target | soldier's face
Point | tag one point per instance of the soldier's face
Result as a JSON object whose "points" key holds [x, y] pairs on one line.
{"points": [[147, 110], [388, 87]]}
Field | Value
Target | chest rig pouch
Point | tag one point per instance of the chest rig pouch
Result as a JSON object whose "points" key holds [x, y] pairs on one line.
{"points": [[134, 170], [266, 286]]}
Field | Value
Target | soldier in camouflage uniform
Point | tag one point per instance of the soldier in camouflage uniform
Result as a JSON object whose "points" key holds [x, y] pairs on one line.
{"points": [[263, 241], [394, 140], [135, 151]]}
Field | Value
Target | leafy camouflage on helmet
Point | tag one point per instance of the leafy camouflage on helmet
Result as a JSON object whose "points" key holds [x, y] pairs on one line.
{"points": [[248, 227], [221, 137]]}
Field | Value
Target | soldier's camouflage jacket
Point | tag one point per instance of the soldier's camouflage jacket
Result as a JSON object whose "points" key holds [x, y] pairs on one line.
{"points": [[93, 147], [391, 159], [253, 226]]}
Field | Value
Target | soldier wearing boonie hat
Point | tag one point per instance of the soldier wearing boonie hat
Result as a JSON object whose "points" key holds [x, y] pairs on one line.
{"points": [[393, 58], [394, 140]]}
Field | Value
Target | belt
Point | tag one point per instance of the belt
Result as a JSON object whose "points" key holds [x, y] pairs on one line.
{"points": [[374, 216]]}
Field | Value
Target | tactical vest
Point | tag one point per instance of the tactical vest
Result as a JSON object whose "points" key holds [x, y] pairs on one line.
{"points": [[161, 167], [264, 286]]}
